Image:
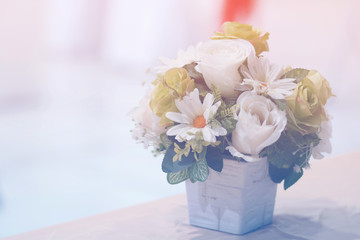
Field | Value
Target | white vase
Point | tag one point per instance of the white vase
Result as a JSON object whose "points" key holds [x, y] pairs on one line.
{"points": [[238, 200]]}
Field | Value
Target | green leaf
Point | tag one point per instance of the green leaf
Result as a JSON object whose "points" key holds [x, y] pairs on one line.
{"points": [[297, 73], [292, 178], [177, 177], [229, 124], [227, 112], [223, 144], [199, 171], [202, 155], [214, 158], [312, 139], [280, 153], [168, 165], [192, 180], [290, 150], [278, 174]]}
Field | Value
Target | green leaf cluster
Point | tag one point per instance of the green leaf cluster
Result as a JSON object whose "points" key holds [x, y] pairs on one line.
{"points": [[225, 116], [191, 166], [229, 124], [289, 155], [196, 167]]}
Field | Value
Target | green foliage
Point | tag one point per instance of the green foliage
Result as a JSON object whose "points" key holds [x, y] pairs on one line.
{"points": [[225, 117], [291, 150], [177, 177], [214, 158], [214, 123], [216, 93], [292, 178], [190, 165], [278, 174], [199, 171], [226, 109], [297, 73], [196, 170], [192, 180], [229, 124], [180, 152], [227, 112], [168, 165], [223, 144], [231, 102], [202, 155]]}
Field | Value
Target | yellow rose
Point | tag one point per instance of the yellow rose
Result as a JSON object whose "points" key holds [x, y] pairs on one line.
{"points": [[173, 85], [321, 85], [233, 30], [306, 105]]}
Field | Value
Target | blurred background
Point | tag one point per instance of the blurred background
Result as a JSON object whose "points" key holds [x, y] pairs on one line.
{"points": [[70, 72]]}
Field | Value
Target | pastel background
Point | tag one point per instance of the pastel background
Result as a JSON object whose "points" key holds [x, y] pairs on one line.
{"points": [[70, 71]]}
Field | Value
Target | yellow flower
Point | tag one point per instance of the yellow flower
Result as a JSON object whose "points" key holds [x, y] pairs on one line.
{"points": [[306, 105], [321, 85], [173, 85], [233, 30]]}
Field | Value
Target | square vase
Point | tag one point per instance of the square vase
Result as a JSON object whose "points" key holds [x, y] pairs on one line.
{"points": [[238, 200]]}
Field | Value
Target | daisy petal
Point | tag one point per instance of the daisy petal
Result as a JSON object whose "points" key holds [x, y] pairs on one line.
{"points": [[179, 117], [175, 130]]}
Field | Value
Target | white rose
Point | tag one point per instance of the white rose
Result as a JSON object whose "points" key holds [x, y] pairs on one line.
{"points": [[260, 123], [324, 145], [147, 129], [219, 62]]}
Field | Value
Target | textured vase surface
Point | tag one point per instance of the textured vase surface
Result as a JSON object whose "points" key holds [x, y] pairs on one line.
{"points": [[238, 200]]}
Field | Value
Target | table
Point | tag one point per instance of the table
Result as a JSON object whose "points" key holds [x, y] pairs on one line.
{"points": [[324, 204]]}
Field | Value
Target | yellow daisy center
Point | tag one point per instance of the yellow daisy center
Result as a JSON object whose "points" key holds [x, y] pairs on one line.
{"points": [[262, 85], [199, 122]]}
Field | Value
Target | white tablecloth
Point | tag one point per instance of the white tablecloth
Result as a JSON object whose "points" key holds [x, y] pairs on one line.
{"points": [[324, 204]]}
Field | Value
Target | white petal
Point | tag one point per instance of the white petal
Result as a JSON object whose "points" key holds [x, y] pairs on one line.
{"points": [[274, 73], [194, 104], [210, 112], [183, 135], [260, 123], [189, 133], [277, 95], [221, 131], [208, 101], [179, 117], [247, 158], [208, 136], [177, 129]]}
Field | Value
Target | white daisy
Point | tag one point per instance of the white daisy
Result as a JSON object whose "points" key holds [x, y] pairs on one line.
{"points": [[183, 58], [194, 117], [262, 77]]}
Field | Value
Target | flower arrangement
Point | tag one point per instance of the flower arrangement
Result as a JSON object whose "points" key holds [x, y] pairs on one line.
{"points": [[223, 98]]}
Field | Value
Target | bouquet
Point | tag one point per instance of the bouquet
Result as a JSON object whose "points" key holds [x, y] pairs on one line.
{"points": [[224, 99]]}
